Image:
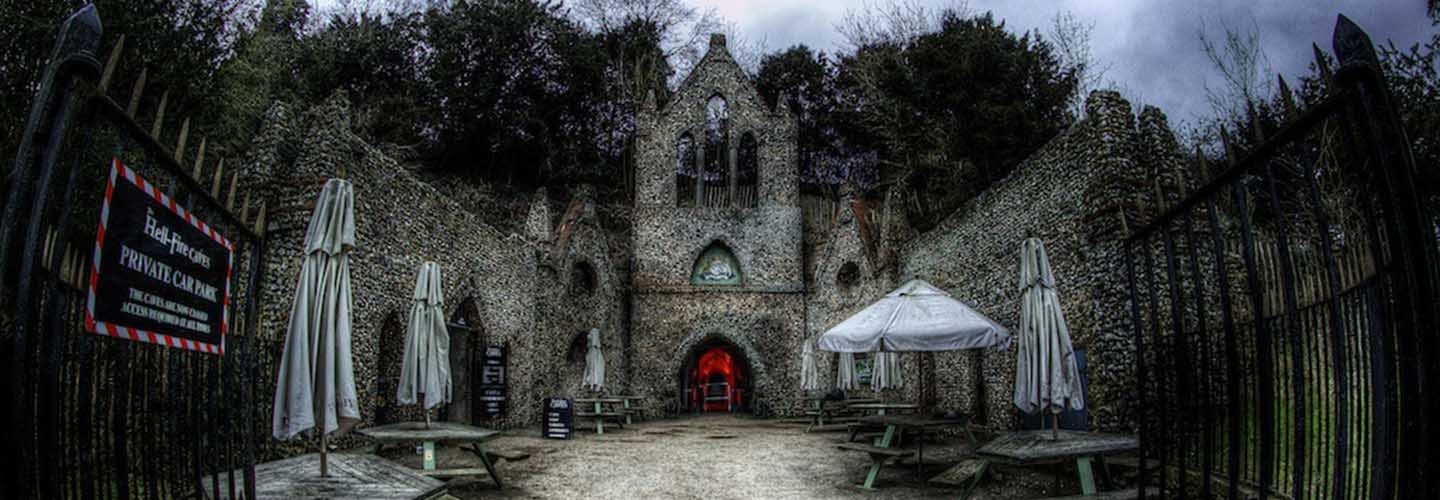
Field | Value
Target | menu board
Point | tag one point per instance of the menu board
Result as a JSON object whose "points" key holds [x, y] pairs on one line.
{"points": [[492, 381], [559, 420]]}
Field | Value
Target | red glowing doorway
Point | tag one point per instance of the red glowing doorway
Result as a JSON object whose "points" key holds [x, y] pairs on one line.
{"points": [[716, 378]]}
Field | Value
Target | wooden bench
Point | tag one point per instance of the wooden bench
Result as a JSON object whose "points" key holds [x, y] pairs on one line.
{"points": [[880, 455], [639, 412], [601, 417], [863, 431], [876, 452]]}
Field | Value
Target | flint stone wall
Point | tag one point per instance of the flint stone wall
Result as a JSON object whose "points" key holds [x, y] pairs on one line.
{"points": [[1077, 194], [831, 301], [402, 222], [765, 327]]}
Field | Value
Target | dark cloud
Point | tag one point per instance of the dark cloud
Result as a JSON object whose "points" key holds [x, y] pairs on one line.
{"points": [[1152, 47]]}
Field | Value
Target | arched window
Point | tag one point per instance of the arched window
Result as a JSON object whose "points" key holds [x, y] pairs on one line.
{"points": [[582, 279], [579, 346], [717, 152], [685, 170], [848, 276], [716, 266], [747, 171]]}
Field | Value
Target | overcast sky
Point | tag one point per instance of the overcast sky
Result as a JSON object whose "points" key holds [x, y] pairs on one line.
{"points": [[1152, 47]]}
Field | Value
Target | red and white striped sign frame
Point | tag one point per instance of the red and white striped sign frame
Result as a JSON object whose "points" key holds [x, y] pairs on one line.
{"points": [[118, 171]]}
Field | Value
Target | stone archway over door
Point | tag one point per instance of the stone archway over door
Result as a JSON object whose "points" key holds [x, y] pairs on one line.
{"points": [[716, 375]]}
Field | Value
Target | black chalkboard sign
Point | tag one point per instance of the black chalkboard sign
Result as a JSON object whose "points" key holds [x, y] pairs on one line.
{"points": [[493, 390], [559, 422]]}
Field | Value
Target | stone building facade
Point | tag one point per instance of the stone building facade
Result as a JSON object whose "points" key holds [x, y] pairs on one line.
{"points": [[714, 269], [705, 300]]}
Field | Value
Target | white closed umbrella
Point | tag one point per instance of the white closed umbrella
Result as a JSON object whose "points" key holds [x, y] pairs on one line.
{"points": [[845, 377], [809, 372], [886, 372], [1046, 377], [426, 366], [317, 378], [594, 363]]}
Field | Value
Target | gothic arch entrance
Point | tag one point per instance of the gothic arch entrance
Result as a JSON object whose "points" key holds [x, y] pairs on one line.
{"points": [[716, 376]]}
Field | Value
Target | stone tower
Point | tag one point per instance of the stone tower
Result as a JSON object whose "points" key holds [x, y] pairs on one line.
{"points": [[718, 289]]}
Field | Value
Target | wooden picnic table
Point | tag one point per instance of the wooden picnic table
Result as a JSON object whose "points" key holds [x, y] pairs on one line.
{"points": [[629, 404], [600, 414], [816, 411], [352, 475], [466, 437], [1039, 447], [882, 408], [884, 451]]}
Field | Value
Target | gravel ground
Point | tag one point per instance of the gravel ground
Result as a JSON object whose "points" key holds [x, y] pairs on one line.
{"points": [[715, 457]]}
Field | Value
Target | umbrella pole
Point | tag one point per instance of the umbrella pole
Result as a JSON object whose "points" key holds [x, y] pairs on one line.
{"points": [[427, 418], [324, 459], [1055, 426]]}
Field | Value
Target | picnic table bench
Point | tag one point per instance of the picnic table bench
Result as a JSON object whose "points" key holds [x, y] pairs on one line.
{"points": [[821, 411], [632, 407], [599, 412], [859, 428], [466, 437], [883, 452], [1026, 448]]}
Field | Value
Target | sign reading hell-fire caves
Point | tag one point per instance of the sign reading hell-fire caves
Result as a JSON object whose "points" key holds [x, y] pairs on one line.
{"points": [[161, 275]]}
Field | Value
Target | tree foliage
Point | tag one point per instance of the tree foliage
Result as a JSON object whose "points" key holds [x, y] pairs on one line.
{"points": [[537, 92], [954, 109], [833, 147], [180, 42], [512, 91]]}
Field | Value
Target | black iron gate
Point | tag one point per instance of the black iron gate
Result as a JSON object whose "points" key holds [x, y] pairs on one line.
{"points": [[90, 416], [1285, 313]]}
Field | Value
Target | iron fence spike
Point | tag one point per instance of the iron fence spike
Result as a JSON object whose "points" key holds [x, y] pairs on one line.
{"points": [[200, 159], [160, 115], [180, 143], [219, 174], [135, 93], [110, 64]]}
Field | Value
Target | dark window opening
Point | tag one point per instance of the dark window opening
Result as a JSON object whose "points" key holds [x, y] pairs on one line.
{"points": [[582, 279], [579, 346], [715, 188], [685, 171], [747, 171], [848, 276]]}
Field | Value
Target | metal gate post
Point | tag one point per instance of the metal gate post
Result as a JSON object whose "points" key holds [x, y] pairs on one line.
{"points": [[31, 179]]}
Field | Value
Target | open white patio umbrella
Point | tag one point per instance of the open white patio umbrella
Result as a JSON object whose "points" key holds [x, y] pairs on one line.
{"points": [[809, 373], [426, 366], [916, 317], [594, 363], [316, 379], [1046, 378], [845, 377]]}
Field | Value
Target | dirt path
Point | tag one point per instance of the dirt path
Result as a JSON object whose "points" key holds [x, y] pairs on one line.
{"points": [[710, 457]]}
